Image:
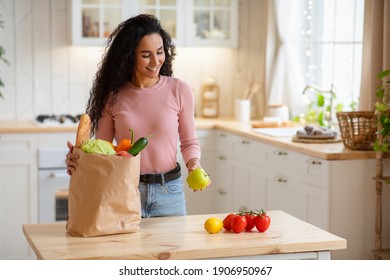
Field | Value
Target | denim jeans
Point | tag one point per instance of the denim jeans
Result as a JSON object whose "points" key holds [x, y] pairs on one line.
{"points": [[163, 200]]}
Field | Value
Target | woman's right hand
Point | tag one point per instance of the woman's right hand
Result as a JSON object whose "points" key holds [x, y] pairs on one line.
{"points": [[71, 160]]}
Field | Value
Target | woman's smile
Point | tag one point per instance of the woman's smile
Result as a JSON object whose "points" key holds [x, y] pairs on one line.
{"points": [[150, 57]]}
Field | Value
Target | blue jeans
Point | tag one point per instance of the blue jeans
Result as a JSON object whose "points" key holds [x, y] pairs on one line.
{"points": [[163, 200]]}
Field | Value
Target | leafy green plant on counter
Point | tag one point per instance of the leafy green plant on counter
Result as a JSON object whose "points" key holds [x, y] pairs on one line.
{"points": [[2, 58], [382, 112], [319, 110]]}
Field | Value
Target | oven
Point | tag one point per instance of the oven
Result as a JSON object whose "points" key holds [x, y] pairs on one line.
{"points": [[53, 181], [53, 185]]}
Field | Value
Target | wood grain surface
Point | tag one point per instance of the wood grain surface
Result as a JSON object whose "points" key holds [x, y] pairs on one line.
{"points": [[182, 238]]}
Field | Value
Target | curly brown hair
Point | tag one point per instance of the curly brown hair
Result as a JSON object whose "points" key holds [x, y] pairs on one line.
{"points": [[118, 62]]}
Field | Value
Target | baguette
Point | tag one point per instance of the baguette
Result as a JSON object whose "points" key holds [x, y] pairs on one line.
{"points": [[83, 130]]}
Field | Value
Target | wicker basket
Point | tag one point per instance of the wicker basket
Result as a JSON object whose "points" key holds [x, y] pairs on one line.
{"points": [[358, 129]]}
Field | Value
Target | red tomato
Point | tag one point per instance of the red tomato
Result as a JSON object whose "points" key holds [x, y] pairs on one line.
{"points": [[228, 221], [238, 223], [250, 222], [262, 221]]}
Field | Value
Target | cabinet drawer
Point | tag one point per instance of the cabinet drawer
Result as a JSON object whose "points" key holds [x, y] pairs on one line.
{"points": [[287, 194], [316, 172], [207, 140], [285, 161], [249, 151], [225, 142], [10, 143]]}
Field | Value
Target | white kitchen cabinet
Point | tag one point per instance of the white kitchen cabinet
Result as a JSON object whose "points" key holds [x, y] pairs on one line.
{"points": [[18, 193], [240, 178], [212, 23], [93, 20], [297, 198], [202, 202], [170, 13], [253, 175], [297, 184], [19, 187], [189, 22]]}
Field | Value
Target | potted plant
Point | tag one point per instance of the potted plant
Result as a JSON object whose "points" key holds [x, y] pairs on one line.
{"points": [[382, 108], [2, 58], [320, 109]]}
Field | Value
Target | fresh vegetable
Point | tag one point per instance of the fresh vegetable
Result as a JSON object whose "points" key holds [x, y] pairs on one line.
{"points": [[262, 221], [227, 222], [247, 220], [98, 146], [213, 225], [138, 146], [250, 221], [123, 154], [198, 179], [125, 144], [238, 223]]}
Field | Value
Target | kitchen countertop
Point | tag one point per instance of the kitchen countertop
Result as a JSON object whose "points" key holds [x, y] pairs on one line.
{"points": [[183, 237], [326, 151], [26, 126]]}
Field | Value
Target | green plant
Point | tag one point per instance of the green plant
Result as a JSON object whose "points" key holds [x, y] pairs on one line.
{"points": [[382, 112], [320, 109], [2, 58]]}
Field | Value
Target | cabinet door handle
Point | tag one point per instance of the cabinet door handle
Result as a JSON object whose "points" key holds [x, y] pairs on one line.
{"points": [[222, 135], [245, 142], [222, 158], [280, 179], [314, 162], [221, 192], [280, 153], [58, 175]]}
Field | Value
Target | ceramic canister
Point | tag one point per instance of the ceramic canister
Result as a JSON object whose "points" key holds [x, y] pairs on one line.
{"points": [[278, 111]]}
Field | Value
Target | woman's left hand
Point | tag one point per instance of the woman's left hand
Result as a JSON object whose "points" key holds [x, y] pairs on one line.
{"points": [[193, 164]]}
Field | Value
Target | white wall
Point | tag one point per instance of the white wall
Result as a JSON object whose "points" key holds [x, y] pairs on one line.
{"points": [[47, 75]]}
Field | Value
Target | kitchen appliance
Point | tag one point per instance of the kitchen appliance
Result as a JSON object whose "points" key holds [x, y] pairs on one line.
{"points": [[53, 184]]}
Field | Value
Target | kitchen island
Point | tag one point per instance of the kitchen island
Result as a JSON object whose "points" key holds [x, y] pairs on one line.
{"points": [[184, 238], [326, 185]]}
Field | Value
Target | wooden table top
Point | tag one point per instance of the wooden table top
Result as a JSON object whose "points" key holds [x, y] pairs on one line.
{"points": [[182, 238]]}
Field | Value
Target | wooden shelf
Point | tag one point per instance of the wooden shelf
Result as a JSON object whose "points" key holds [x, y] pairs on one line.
{"points": [[383, 254]]}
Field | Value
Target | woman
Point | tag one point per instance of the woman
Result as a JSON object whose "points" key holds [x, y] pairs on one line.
{"points": [[134, 88]]}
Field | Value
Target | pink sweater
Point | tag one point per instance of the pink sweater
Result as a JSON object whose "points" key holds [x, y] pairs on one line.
{"points": [[165, 110]]}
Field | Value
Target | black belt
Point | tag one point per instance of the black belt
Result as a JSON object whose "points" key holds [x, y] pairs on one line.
{"points": [[161, 178]]}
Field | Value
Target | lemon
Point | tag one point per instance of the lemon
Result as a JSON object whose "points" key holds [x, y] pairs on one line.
{"points": [[213, 225]]}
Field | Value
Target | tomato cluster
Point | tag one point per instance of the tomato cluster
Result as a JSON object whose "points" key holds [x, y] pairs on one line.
{"points": [[246, 221]]}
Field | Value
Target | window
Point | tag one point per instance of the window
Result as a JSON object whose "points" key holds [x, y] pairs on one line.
{"points": [[333, 38]]}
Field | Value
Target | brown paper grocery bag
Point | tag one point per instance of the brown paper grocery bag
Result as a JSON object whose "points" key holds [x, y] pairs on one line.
{"points": [[103, 195]]}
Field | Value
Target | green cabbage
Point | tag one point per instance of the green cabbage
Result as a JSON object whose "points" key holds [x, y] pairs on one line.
{"points": [[98, 146]]}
